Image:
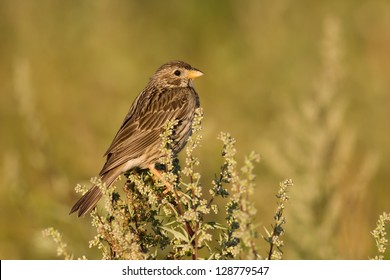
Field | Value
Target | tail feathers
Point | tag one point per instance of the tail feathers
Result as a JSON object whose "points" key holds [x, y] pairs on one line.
{"points": [[87, 202]]}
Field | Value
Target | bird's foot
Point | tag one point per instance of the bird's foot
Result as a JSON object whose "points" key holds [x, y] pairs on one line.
{"points": [[158, 174]]}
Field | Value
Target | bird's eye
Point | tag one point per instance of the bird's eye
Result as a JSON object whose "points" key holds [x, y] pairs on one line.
{"points": [[177, 72]]}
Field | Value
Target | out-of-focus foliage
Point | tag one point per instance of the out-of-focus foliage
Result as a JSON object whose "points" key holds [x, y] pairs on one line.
{"points": [[69, 71]]}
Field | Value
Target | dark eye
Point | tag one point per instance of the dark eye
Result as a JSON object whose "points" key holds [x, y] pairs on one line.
{"points": [[177, 72]]}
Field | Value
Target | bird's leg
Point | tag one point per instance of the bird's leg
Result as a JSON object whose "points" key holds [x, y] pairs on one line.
{"points": [[156, 173]]}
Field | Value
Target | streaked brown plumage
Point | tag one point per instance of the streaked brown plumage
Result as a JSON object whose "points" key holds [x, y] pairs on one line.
{"points": [[168, 96]]}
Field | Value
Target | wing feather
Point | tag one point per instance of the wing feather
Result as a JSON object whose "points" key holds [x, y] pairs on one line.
{"points": [[145, 122]]}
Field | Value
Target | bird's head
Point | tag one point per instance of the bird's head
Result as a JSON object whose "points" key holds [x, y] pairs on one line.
{"points": [[176, 74]]}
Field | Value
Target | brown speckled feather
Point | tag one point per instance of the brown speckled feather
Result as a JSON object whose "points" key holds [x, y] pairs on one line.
{"points": [[142, 130]]}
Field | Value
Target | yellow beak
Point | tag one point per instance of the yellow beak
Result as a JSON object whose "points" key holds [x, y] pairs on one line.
{"points": [[194, 73]]}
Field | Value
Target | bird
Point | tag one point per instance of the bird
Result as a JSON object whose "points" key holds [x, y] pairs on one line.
{"points": [[169, 96]]}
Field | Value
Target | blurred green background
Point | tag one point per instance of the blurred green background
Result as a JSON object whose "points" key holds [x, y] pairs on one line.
{"points": [[306, 84]]}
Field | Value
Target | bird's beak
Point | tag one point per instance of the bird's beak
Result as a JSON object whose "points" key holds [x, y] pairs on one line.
{"points": [[194, 73]]}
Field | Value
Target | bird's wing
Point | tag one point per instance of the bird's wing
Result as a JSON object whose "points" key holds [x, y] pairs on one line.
{"points": [[144, 124]]}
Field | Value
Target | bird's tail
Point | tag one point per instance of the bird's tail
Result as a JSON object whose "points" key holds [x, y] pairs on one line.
{"points": [[89, 200]]}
